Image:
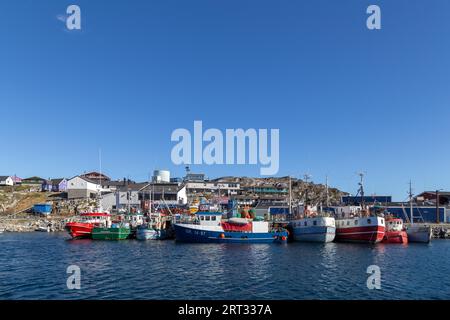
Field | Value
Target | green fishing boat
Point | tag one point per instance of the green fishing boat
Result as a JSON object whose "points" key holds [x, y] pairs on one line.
{"points": [[113, 233]]}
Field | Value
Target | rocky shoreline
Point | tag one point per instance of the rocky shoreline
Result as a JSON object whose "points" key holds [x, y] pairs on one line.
{"points": [[33, 224]]}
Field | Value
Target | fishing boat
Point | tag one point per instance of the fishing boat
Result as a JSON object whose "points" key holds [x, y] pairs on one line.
{"points": [[365, 228], [311, 226], [313, 229], [208, 227], [81, 226], [117, 231], [360, 225], [158, 228], [395, 231]]}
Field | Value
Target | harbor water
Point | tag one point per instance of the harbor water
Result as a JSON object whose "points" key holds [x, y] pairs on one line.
{"points": [[34, 266]]}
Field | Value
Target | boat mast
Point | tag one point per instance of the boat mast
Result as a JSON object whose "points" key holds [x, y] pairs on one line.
{"points": [[361, 189], [327, 195], [99, 193], [306, 178], [290, 195], [411, 202]]}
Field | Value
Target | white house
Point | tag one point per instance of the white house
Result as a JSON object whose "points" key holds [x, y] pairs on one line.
{"points": [[81, 187], [6, 181]]}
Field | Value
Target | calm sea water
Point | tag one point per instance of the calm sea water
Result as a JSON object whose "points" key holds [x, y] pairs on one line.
{"points": [[33, 266]]}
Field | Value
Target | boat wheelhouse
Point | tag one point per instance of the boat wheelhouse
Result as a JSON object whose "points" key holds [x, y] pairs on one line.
{"points": [[395, 231]]}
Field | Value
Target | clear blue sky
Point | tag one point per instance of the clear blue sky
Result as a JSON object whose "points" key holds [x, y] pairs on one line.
{"points": [[345, 98]]}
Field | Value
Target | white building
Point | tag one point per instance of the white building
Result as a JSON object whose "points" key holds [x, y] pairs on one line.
{"points": [[6, 181], [225, 188], [81, 187]]}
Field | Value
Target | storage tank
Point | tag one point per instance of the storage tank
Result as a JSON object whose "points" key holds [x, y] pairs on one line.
{"points": [[161, 176]]}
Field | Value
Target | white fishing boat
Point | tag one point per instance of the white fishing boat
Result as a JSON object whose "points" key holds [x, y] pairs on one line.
{"points": [[311, 226]]}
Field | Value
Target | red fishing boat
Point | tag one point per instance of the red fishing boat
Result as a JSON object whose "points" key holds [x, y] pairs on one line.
{"points": [[360, 225], [370, 229], [395, 232], [82, 225]]}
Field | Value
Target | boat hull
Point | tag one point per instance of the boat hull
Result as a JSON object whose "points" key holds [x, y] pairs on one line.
{"points": [[185, 233], [110, 233], [421, 234], [395, 237], [366, 234], [78, 230], [314, 234], [151, 234]]}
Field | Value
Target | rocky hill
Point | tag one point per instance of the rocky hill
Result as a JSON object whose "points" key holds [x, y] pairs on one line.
{"points": [[316, 193]]}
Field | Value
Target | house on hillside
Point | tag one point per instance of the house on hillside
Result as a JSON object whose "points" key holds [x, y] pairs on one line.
{"points": [[6, 181], [55, 185], [34, 181], [82, 187]]}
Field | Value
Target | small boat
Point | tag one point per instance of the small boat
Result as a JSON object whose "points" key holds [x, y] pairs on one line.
{"points": [[158, 228], [81, 226], [208, 227], [419, 233], [395, 231], [42, 229], [115, 232]]}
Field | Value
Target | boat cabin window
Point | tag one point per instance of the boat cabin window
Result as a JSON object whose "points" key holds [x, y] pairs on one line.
{"points": [[348, 223], [207, 218], [213, 218], [356, 222], [306, 223], [369, 221], [315, 222], [202, 218]]}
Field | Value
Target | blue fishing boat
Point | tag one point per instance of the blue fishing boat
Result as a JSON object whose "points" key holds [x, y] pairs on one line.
{"points": [[208, 227]]}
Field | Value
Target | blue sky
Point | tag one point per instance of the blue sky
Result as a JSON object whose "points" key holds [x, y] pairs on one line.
{"points": [[345, 99]]}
